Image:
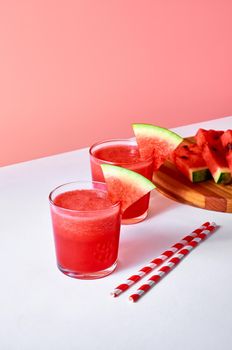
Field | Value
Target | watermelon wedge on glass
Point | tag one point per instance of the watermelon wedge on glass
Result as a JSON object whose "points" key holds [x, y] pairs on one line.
{"points": [[124, 185], [152, 139], [226, 139], [214, 154], [187, 158]]}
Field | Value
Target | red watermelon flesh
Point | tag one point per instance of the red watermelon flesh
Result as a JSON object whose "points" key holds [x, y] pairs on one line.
{"points": [[214, 154], [124, 185], [226, 139], [155, 141], [212, 137], [160, 150], [188, 159]]}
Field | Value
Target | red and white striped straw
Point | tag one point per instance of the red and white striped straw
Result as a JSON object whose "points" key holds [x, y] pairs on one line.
{"points": [[157, 261], [167, 267]]}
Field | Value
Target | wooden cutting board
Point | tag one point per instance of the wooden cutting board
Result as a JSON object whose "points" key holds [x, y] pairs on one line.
{"points": [[206, 195]]}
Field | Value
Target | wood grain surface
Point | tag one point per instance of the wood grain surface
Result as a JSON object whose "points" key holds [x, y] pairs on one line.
{"points": [[206, 195]]}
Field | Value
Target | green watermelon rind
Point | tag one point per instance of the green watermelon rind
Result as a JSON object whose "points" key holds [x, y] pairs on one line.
{"points": [[128, 176], [199, 174], [222, 175], [195, 174], [150, 130]]}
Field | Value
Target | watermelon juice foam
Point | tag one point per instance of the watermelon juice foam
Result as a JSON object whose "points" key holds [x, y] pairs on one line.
{"points": [[86, 228], [123, 153]]}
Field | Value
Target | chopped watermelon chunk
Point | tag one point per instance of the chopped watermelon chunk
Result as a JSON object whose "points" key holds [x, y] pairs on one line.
{"points": [[214, 154], [226, 139], [187, 157]]}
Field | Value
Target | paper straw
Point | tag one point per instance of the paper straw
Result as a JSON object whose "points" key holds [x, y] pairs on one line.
{"points": [[169, 265], [157, 261]]}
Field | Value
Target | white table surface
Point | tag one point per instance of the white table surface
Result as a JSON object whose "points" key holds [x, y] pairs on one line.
{"points": [[43, 309]]}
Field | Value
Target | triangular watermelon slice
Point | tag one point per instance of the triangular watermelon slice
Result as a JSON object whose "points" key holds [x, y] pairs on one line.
{"points": [[124, 185], [156, 141]]}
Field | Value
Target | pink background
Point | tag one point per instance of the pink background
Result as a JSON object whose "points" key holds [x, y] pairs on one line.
{"points": [[76, 72]]}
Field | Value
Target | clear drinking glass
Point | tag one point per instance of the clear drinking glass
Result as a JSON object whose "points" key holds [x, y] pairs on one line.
{"points": [[124, 153], [87, 235]]}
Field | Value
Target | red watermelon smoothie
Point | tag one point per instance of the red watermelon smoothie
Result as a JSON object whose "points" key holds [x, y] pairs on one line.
{"points": [[123, 153], [86, 228]]}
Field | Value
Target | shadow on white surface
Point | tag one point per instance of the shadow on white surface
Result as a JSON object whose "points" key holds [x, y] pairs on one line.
{"points": [[159, 204], [142, 247], [141, 242]]}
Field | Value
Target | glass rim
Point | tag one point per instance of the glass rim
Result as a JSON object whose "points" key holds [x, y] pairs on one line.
{"points": [[113, 205], [132, 140]]}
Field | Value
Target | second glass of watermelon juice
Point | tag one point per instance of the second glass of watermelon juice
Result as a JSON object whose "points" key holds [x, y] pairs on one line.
{"points": [[124, 153], [86, 228]]}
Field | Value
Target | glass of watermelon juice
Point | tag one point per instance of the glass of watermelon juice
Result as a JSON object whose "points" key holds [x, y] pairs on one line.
{"points": [[124, 153], [86, 227]]}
